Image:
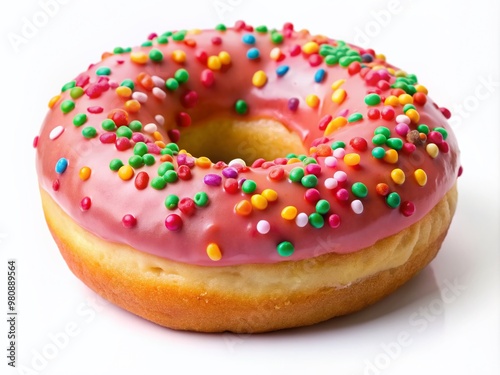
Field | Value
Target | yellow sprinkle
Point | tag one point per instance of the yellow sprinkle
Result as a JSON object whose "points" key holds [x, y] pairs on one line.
{"points": [[225, 58], [259, 202], [270, 194], [293, 160], [312, 150], [179, 56], [123, 91], [421, 177], [203, 162], [336, 123], [275, 54], [139, 57], [243, 208], [194, 32], [392, 100], [413, 115], [391, 71], [312, 100], [214, 63], [391, 156], [289, 213], [126, 172], [421, 88], [432, 149], [157, 136], [84, 173], [400, 73], [259, 78], [398, 176], [132, 105], [337, 84], [310, 48], [54, 100], [339, 95], [380, 56], [405, 99], [213, 251], [352, 159]]}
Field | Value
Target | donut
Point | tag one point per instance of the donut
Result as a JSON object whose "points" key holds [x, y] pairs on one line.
{"points": [[246, 179]]}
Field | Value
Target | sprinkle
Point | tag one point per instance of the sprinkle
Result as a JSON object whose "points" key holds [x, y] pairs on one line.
{"points": [[85, 204], [301, 220], [190, 99], [213, 252], [285, 249], [355, 117], [187, 206], [340, 176], [270, 195], [331, 161], [391, 156], [56, 132], [243, 208], [334, 221], [258, 201], [76, 92], [80, 119], [357, 206], [282, 70], [276, 54], [67, 106], [352, 159], [155, 55], [388, 113], [248, 39], [141, 181], [372, 99], [320, 75], [316, 220], [293, 104], [181, 75], [312, 100], [263, 227], [171, 201], [432, 149], [359, 190], [139, 57], [126, 172], [84, 173], [237, 161], [276, 174], [312, 195], [241, 107], [407, 208], [289, 213], [54, 100], [277, 37], [179, 56], [339, 96], [103, 71], [403, 118], [335, 124], [413, 115], [61, 165], [395, 143], [358, 143], [393, 200], [207, 78], [253, 53], [129, 221], [296, 174], [398, 176], [331, 183], [132, 106], [150, 128], [382, 189], [248, 186], [259, 78], [322, 207], [342, 194], [159, 93], [173, 222], [310, 48]]}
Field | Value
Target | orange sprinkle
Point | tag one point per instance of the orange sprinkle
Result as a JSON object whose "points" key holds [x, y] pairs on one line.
{"points": [[105, 55], [382, 189], [324, 150], [160, 144], [391, 156], [179, 56], [203, 162], [157, 136], [190, 42], [166, 157], [124, 92], [132, 106], [243, 208], [145, 81], [126, 172], [139, 57], [54, 100], [84, 173]]}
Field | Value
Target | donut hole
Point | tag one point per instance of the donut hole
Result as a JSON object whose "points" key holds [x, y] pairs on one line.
{"points": [[228, 139]]}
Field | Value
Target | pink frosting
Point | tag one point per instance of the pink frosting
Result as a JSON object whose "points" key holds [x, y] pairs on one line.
{"points": [[100, 203]]}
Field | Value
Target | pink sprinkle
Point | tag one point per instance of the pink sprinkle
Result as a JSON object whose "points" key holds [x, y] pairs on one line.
{"points": [[435, 137], [56, 132], [207, 78], [312, 195], [153, 148], [314, 169], [315, 59], [95, 109], [334, 221], [257, 163], [402, 129], [446, 112], [267, 164], [342, 194], [137, 137], [173, 222], [357, 206], [82, 80], [295, 50], [122, 144], [340, 176], [331, 161], [331, 183], [339, 153], [129, 221], [216, 40], [190, 99], [152, 36], [85, 204], [403, 118], [107, 138], [159, 93], [35, 141]]}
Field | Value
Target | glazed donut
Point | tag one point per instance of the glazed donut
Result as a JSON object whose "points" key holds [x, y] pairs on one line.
{"points": [[246, 179]]}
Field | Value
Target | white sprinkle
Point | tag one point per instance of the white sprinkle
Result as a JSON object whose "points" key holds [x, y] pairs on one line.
{"points": [[331, 161], [140, 96], [160, 119], [331, 183], [403, 118], [237, 161], [339, 153], [301, 220], [340, 176], [159, 93], [150, 128], [263, 227], [56, 132], [158, 81], [357, 206]]}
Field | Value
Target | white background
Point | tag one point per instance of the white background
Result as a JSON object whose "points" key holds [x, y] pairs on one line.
{"points": [[425, 327]]}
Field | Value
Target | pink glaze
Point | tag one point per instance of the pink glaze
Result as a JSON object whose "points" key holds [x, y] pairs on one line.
{"points": [[132, 212]]}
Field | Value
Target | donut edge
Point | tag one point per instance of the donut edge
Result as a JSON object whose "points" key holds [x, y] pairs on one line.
{"points": [[205, 305]]}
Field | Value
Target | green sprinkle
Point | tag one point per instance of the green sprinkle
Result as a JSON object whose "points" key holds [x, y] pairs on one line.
{"points": [[285, 248], [103, 71], [372, 99], [128, 83], [108, 125], [89, 132], [359, 189], [291, 155], [147, 43], [135, 161], [443, 132], [296, 174], [241, 107], [249, 186], [261, 29], [302, 157], [149, 159], [382, 130], [135, 126], [378, 152], [118, 50], [309, 181], [393, 200], [140, 148], [115, 164], [76, 92], [201, 199], [337, 144], [355, 117], [67, 106], [407, 107], [156, 55], [171, 201], [422, 128], [181, 75], [164, 167], [80, 119], [68, 86], [172, 84], [395, 143], [277, 38], [166, 151], [173, 147], [379, 139], [221, 27], [322, 206], [170, 176], [162, 39], [331, 60], [316, 220], [124, 131], [309, 160], [179, 35], [158, 183]]}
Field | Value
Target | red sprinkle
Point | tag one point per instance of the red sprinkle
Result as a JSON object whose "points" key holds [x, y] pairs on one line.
{"points": [[388, 113], [141, 181], [446, 112], [187, 206], [85, 203], [334, 221], [312, 195], [95, 109], [123, 144], [408, 148], [201, 56], [407, 208], [107, 137], [276, 174], [216, 40], [119, 116], [382, 189], [323, 123], [444, 147], [419, 98], [173, 222], [35, 141], [315, 59], [295, 50], [258, 163], [373, 114], [359, 144], [183, 119], [184, 173], [129, 221], [55, 185], [231, 186], [174, 135], [207, 78], [354, 68], [189, 100]]}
